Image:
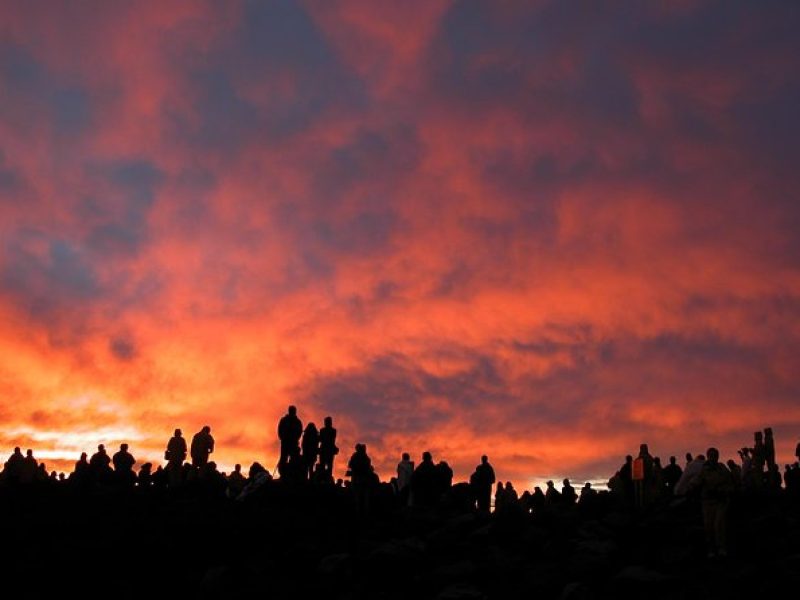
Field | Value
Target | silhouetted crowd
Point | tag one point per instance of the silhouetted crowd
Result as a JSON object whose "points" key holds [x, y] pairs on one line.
{"points": [[307, 457]]}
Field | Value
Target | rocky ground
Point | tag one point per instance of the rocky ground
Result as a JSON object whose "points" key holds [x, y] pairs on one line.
{"points": [[308, 542]]}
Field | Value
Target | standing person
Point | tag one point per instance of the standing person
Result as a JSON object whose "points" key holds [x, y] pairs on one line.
{"points": [[327, 448], [310, 449], [672, 474], [405, 469], [175, 454], [202, 446], [797, 452], [123, 466], [361, 478], [716, 487], [481, 482], [769, 449], [290, 429]]}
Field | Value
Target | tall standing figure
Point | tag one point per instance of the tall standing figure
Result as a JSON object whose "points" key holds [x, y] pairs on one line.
{"points": [[290, 429], [327, 447], [202, 446]]}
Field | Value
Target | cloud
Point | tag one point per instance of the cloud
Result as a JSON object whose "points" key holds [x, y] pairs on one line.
{"points": [[551, 232]]}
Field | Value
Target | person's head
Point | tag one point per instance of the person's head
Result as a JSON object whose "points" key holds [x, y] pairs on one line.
{"points": [[657, 461], [101, 448], [292, 410], [123, 447], [29, 452], [565, 482], [83, 455], [178, 433], [426, 457], [758, 436], [689, 457], [701, 458], [17, 450], [628, 459], [509, 486], [406, 456], [484, 459], [587, 485], [713, 455], [550, 484], [206, 429], [311, 427], [672, 460], [768, 431], [237, 467], [643, 449]]}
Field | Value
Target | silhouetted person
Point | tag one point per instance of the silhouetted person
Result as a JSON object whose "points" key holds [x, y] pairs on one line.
{"points": [[444, 478], [568, 494], [538, 499], [672, 474], [759, 453], [643, 477], [499, 497], [236, 482], [327, 446], [176, 450], [14, 467], [100, 464], [588, 494], [82, 474], [511, 497], [405, 471], [310, 447], [202, 446], [769, 448], [716, 486], [29, 467], [797, 452], [552, 496], [359, 468], [123, 466], [423, 482], [290, 428], [690, 473], [145, 478], [482, 481]]}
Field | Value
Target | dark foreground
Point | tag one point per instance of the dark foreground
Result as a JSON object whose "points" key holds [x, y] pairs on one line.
{"points": [[307, 542]]}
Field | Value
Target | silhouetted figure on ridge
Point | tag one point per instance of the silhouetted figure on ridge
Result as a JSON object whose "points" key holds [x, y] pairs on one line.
{"points": [[552, 497], [405, 470], [28, 469], [327, 447], [145, 478], [482, 481], [310, 447], [568, 494], [15, 465], [444, 478], [175, 454], [642, 475], [759, 453], [672, 474], [100, 464], [202, 447], [236, 482], [797, 452], [716, 487], [769, 448], [290, 429], [123, 466], [359, 467], [423, 482]]}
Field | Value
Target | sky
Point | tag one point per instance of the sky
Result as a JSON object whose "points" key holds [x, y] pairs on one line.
{"points": [[546, 231]]}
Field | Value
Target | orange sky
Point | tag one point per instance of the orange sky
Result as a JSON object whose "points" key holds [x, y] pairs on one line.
{"points": [[542, 233]]}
